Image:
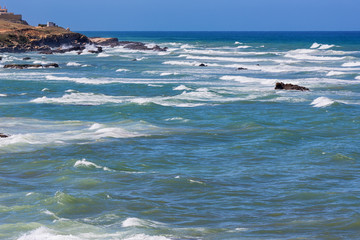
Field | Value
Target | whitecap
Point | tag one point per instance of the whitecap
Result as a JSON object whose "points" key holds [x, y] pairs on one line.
{"points": [[351, 64], [43, 233], [243, 47], [45, 90], [237, 43], [169, 73], [103, 55], [122, 70], [315, 45], [322, 102], [137, 222], [181, 88], [3, 95], [88, 164], [73, 64], [335, 73]]}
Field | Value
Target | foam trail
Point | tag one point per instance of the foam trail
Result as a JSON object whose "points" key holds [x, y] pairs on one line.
{"points": [[351, 64], [335, 73]]}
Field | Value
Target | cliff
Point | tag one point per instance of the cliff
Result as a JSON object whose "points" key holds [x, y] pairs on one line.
{"points": [[16, 37]]}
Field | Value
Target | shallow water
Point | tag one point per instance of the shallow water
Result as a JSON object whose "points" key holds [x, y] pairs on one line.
{"points": [[109, 148]]}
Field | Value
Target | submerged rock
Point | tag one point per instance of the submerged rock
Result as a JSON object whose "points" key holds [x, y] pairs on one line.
{"points": [[25, 66], [3, 135], [289, 86], [26, 58]]}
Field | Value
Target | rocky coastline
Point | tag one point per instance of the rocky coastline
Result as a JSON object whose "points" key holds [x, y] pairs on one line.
{"points": [[19, 38]]}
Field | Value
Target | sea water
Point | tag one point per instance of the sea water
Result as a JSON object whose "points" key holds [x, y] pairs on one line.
{"points": [[159, 148]]}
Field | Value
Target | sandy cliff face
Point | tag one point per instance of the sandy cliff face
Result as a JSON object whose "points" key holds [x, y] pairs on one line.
{"points": [[15, 37]]}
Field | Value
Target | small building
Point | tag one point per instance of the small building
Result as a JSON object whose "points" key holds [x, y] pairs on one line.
{"points": [[9, 16], [51, 24]]}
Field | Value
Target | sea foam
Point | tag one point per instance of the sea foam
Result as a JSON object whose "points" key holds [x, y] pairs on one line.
{"points": [[322, 102]]}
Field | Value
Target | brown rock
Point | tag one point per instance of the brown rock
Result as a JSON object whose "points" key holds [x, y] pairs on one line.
{"points": [[288, 86], [3, 135]]}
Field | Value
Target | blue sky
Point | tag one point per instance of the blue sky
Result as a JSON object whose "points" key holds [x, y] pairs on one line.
{"points": [[193, 15]]}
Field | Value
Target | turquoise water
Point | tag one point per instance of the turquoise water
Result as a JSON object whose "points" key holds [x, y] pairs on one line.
{"points": [[159, 148]]}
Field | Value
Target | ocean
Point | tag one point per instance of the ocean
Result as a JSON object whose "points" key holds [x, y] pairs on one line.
{"points": [[106, 147]]}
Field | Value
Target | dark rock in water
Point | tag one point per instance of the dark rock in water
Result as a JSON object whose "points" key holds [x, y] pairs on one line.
{"points": [[110, 42], [48, 52], [288, 86], [26, 58], [99, 50], [3, 135], [51, 65], [25, 66], [202, 65], [134, 60], [140, 46], [241, 68]]}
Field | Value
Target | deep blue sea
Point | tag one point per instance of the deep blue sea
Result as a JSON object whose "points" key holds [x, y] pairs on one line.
{"points": [[106, 147]]}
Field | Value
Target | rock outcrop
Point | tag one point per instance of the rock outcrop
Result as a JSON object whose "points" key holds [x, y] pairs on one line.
{"points": [[114, 42], [25, 66], [288, 86], [16, 37], [3, 135]]}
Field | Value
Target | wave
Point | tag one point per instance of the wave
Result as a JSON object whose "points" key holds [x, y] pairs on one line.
{"points": [[303, 56], [122, 70], [80, 99], [243, 47], [92, 99], [181, 88], [322, 102], [81, 80], [73, 64], [225, 59], [87, 164], [351, 64], [30, 134], [335, 73], [103, 55], [44, 233], [243, 79], [169, 74], [136, 222], [3, 95], [321, 46]]}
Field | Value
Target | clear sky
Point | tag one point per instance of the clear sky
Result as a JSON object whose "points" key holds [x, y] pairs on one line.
{"points": [[192, 15]]}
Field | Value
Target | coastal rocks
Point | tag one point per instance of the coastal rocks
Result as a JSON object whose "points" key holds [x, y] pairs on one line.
{"points": [[17, 38], [140, 46], [114, 42], [288, 86], [26, 58], [111, 42], [27, 66], [3, 135], [242, 68], [202, 65]]}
